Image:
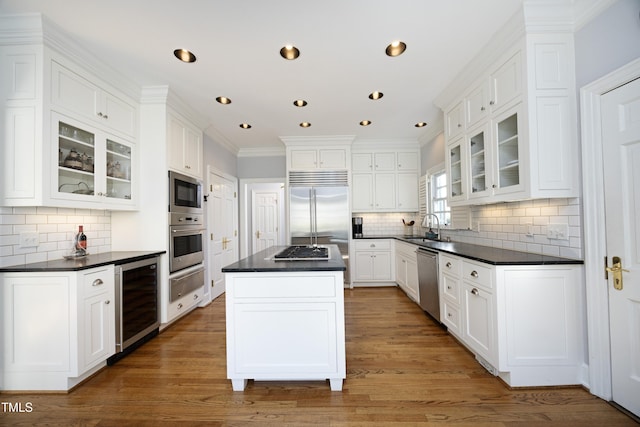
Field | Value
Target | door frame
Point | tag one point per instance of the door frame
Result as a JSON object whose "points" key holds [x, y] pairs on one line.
{"points": [[245, 214], [595, 249]]}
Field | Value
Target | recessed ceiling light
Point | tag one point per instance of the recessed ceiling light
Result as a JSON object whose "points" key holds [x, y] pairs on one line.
{"points": [[420, 124], [396, 48], [245, 125], [376, 95], [184, 55], [299, 102], [365, 123], [305, 124], [223, 100], [289, 52]]}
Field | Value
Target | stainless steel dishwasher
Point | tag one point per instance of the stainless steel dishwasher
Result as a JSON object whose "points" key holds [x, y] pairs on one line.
{"points": [[428, 282]]}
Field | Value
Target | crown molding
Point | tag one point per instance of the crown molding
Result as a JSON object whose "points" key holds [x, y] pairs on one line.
{"points": [[317, 140]]}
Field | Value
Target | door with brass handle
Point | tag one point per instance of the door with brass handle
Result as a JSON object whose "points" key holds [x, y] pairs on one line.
{"points": [[258, 234], [617, 270]]}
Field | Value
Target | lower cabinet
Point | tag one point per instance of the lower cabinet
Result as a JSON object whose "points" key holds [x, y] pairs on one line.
{"points": [[407, 269], [373, 261], [524, 323], [59, 327]]}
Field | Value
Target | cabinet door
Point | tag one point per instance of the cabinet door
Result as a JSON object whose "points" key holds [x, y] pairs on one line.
{"points": [[408, 161], [362, 162], [478, 145], [385, 191], [456, 171], [99, 330], [333, 158], [303, 159], [477, 104], [507, 151], [193, 151], [362, 192], [407, 192], [78, 161], [401, 271], [412, 279], [363, 266], [479, 325], [384, 161], [175, 146], [118, 114], [454, 121], [382, 265], [506, 83], [73, 92], [120, 170]]}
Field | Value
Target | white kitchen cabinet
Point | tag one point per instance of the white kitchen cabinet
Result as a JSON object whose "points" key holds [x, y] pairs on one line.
{"points": [[407, 269], [78, 95], [385, 181], [185, 146], [93, 168], [372, 261], [37, 93], [285, 326], [524, 107], [309, 159], [454, 121], [74, 333], [456, 164], [523, 322]]}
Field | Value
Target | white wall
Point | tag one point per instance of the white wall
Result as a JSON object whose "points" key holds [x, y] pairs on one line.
{"points": [[219, 157], [262, 167]]}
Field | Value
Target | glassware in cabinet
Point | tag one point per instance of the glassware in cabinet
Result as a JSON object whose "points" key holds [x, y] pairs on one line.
{"points": [[478, 168], [118, 166], [455, 154], [508, 155], [76, 154]]}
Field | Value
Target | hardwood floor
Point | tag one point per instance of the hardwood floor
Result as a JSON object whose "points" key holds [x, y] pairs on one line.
{"points": [[402, 369]]}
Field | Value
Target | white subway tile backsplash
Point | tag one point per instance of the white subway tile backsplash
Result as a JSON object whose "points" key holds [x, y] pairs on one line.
{"points": [[56, 228]]}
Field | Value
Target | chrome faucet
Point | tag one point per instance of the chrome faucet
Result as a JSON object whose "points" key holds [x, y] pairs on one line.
{"points": [[424, 223]]}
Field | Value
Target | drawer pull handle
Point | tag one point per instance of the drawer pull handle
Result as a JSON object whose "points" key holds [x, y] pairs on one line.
{"points": [[373, 245], [195, 296], [474, 274], [97, 282], [448, 265], [475, 291], [179, 306]]}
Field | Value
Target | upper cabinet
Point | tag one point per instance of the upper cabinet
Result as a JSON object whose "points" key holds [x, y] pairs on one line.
{"points": [[512, 135], [326, 158], [70, 92], [385, 181], [70, 137], [185, 146]]}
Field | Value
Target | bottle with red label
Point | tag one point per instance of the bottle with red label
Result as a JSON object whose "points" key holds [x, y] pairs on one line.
{"points": [[81, 241]]}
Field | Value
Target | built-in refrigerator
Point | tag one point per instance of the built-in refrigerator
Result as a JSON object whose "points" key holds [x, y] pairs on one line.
{"points": [[319, 211]]}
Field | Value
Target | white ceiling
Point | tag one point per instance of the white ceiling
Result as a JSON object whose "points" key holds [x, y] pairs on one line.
{"points": [[237, 44]]}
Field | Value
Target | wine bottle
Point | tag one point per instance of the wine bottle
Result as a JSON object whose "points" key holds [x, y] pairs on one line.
{"points": [[81, 240]]}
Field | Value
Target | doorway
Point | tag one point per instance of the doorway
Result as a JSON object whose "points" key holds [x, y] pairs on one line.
{"points": [[610, 110], [262, 214]]}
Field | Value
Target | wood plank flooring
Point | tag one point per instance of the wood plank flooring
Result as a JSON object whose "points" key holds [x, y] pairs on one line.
{"points": [[402, 369]]}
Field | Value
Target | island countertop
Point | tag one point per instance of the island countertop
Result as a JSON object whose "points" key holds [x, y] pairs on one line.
{"points": [[263, 261]]}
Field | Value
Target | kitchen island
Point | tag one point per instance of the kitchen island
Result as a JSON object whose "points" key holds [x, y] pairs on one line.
{"points": [[285, 319]]}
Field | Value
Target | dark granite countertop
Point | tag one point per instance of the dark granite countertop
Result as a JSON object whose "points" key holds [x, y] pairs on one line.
{"points": [[486, 254], [90, 261], [263, 262]]}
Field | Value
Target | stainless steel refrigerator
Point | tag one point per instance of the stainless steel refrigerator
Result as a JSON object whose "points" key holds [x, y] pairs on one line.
{"points": [[319, 214]]}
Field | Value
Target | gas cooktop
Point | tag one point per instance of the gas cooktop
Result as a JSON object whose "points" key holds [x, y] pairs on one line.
{"points": [[303, 253]]}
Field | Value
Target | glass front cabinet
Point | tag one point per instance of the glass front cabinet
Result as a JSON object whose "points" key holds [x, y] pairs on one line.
{"points": [[456, 165], [92, 166], [507, 174], [478, 146]]}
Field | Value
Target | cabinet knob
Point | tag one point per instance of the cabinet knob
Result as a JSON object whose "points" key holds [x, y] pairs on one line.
{"points": [[97, 282], [179, 306], [195, 296], [459, 125], [187, 167], [448, 314], [492, 102], [448, 287], [107, 302], [482, 108], [475, 291], [474, 274], [373, 245], [494, 186], [99, 114], [448, 264]]}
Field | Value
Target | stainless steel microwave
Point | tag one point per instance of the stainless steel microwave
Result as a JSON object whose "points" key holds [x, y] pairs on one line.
{"points": [[185, 194]]}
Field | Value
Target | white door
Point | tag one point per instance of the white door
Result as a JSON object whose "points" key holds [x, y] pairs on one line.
{"points": [[621, 148], [264, 219], [223, 228]]}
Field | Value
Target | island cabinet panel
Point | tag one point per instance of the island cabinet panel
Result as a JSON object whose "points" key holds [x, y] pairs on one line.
{"points": [[285, 325]]}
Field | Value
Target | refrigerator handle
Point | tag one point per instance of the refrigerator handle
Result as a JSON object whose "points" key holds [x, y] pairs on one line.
{"points": [[311, 218], [315, 217]]}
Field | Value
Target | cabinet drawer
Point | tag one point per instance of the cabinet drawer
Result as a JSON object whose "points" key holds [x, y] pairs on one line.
{"points": [[451, 317], [372, 245], [450, 265], [254, 286], [477, 274], [98, 281], [451, 287]]}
